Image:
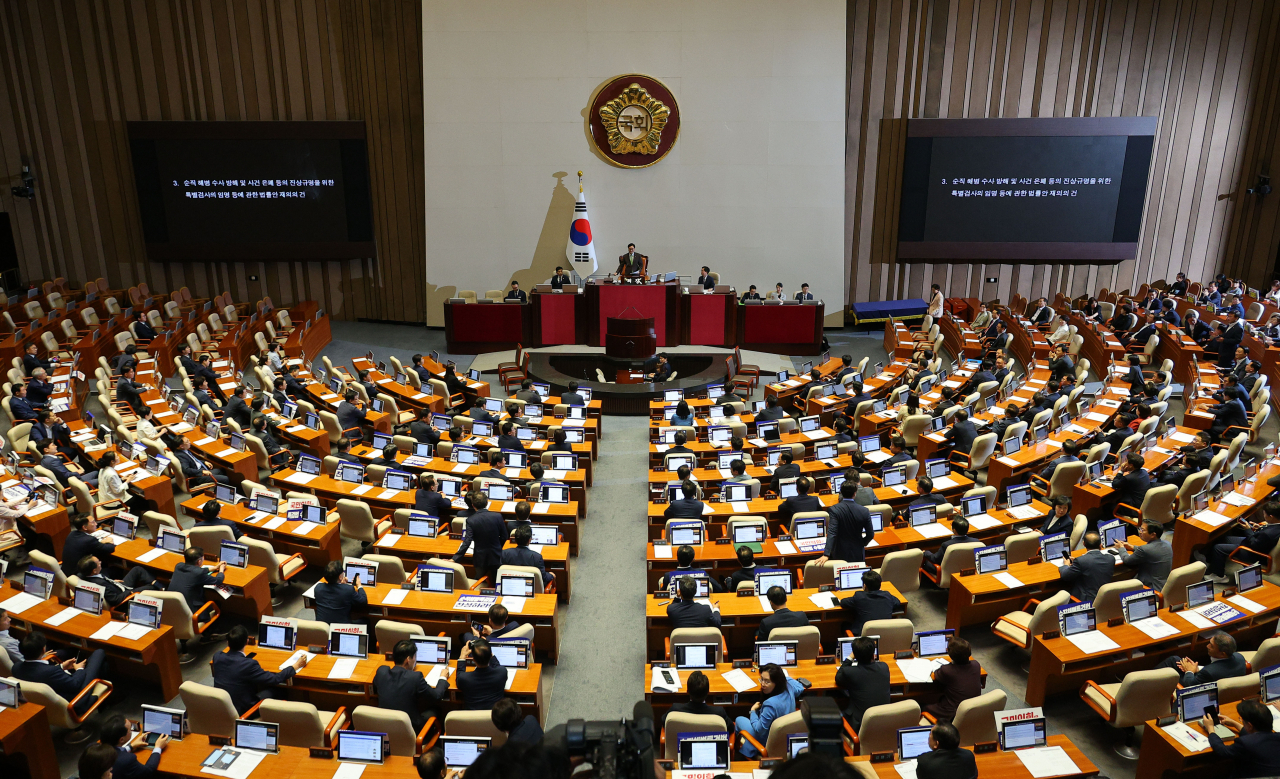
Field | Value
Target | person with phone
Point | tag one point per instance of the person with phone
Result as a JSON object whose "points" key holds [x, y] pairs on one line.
{"points": [[116, 734], [1256, 750], [335, 596]]}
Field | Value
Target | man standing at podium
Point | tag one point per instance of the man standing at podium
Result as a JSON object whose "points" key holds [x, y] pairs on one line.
{"points": [[631, 263]]}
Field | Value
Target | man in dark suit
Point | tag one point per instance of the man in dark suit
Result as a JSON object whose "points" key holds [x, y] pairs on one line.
{"points": [[961, 433], [420, 429], [947, 403], [416, 366], [1070, 450], [1040, 313], [772, 411], [485, 684], [30, 361], [1000, 341], [706, 280], [193, 468], [782, 617], [946, 760], [239, 410], [507, 440], [1230, 413], [560, 279], [1256, 537], [1060, 363], [1132, 481], [487, 530], [1153, 560], [521, 554], [427, 498], [746, 569], [688, 507], [632, 263], [350, 415], [80, 544], [278, 393], [804, 293], [959, 535], [515, 294], [129, 390], [1256, 750], [401, 687], [685, 613], [869, 603], [750, 294], [1224, 662], [864, 680], [802, 501], [199, 386], [1231, 338], [127, 359], [189, 579], [244, 678], [662, 371], [479, 413], [20, 406], [1195, 328], [898, 452], [494, 471], [572, 398], [699, 687], [137, 579], [849, 527], [922, 373], [67, 679], [684, 565], [335, 596], [786, 470], [983, 376], [519, 727], [116, 734], [527, 393], [39, 388], [1089, 571], [846, 367], [211, 516], [1138, 338], [1169, 313]]}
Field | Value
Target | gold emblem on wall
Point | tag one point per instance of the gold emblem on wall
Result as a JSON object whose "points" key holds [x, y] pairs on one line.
{"points": [[633, 120]]}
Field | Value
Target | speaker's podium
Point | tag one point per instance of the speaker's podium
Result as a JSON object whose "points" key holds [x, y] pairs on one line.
{"points": [[630, 336]]}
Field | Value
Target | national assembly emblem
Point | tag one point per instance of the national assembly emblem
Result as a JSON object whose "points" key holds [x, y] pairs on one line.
{"points": [[634, 121]]}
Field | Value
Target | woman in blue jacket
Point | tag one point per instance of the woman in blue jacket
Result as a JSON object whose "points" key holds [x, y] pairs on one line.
{"points": [[779, 698], [683, 416]]}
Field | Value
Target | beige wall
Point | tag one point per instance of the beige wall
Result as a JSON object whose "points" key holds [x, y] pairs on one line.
{"points": [[754, 187]]}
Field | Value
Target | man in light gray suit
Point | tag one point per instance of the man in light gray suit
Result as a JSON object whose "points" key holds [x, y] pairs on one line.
{"points": [[739, 470], [1153, 560], [1089, 571]]}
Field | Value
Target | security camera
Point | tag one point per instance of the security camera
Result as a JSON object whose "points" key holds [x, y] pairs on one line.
{"points": [[28, 189], [1263, 187]]}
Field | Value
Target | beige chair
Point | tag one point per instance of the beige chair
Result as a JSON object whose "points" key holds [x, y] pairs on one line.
{"points": [[47, 562], [1107, 602], [1191, 487], [311, 632], [154, 520], [1157, 505], [209, 709], [62, 713], [679, 723], [527, 570], [1142, 696], [390, 569], [186, 625], [280, 570], [302, 724], [404, 742], [955, 559], [817, 575], [1266, 655], [1035, 617], [474, 723], [880, 725], [902, 569], [896, 635], [1061, 482], [1174, 592], [707, 635], [460, 578], [976, 717], [976, 459], [808, 638], [1021, 547], [1237, 688], [776, 744], [389, 633], [209, 538], [358, 523]]}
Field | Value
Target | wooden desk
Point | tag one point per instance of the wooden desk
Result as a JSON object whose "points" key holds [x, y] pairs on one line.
{"points": [[183, 758], [1057, 665], [1164, 758], [415, 549], [317, 546], [154, 657], [26, 730], [250, 586], [1191, 533], [740, 619], [435, 612]]}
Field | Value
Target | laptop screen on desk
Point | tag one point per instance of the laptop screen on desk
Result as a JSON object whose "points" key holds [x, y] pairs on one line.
{"points": [[1193, 700], [704, 752], [1199, 593], [555, 493], [349, 644], [1023, 734], [433, 651], [991, 559], [144, 614], [462, 751], [1019, 496], [88, 600], [1139, 605], [166, 722], [809, 530], [433, 579], [357, 747], [913, 742], [772, 578], [695, 655], [233, 554], [276, 636], [934, 642], [260, 736], [844, 649], [545, 535], [894, 477], [516, 585], [783, 653], [850, 578]]}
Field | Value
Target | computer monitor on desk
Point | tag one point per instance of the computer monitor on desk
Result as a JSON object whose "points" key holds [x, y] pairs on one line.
{"points": [[703, 752], [782, 653], [933, 643], [342, 644], [432, 651], [461, 751], [273, 636], [913, 742], [768, 578], [1192, 701], [1024, 734], [359, 747], [693, 656]]}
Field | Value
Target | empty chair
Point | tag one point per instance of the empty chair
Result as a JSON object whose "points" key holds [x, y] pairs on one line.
{"points": [[680, 722], [1141, 696], [186, 625], [1237, 688], [808, 638], [474, 723], [880, 726], [210, 711], [396, 724], [390, 569], [302, 724], [358, 523], [1107, 601], [708, 635], [1174, 592], [311, 632], [1266, 655], [389, 633], [1035, 617], [896, 635], [902, 569], [1022, 547]]}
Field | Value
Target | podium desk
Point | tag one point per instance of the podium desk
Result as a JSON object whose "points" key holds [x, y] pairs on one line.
{"points": [[250, 586], [709, 318], [740, 618], [436, 612], [26, 730], [559, 318], [415, 550], [153, 658], [1059, 666], [318, 544], [781, 328], [473, 328], [659, 301]]}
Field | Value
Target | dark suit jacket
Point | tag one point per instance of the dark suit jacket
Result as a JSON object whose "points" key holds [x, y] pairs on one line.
{"points": [[1047, 471], [1214, 670], [936, 556], [190, 580], [40, 433], [523, 555], [867, 605], [487, 530], [1131, 487], [1063, 524], [191, 466], [1253, 754], [688, 614], [788, 471], [480, 688], [1063, 366], [848, 531], [782, 618], [128, 766], [962, 435], [237, 409], [68, 685], [22, 409], [115, 593], [771, 414], [685, 508], [38, 392], [689, 707], [573, 399], [403, 690], [1229, 414], [60, 470], [706, 281], [558, 282], [528, 731], [335, 601], [80, 545], [1087, 573], [516, 295], [795, 505], [349, 416], [866, 686], [432, 503], [958, 763], [244, 678], [30, 362], [220, 522]]}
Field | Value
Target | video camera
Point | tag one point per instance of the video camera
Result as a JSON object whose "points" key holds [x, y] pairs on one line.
{"points": [[615, 750]]}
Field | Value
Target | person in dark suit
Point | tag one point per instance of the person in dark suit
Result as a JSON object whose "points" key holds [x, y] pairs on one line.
{"points": [[1224, 662], [864, 680], [632, 263], [982, 376], [662, 371], [772, 411], [81, 544], [1132, 481], [527, 393], [452, 383], [129, 390], [786, 470], [1196, 456], [922, 372], [1000, 341], [1138, 338], [746, 569], [898, 452], [1195, 328], [335, 596], [188, 364], [485, 684], [687, 508], [962, 433], [1070, 452], [239, 410], [67, 679], [521, 554], [189, 579], [846, 367], [479, 413], [804, 293], [684, 565], [1231, 413], [750, 294], [1256, 750], [1232, 335], [1086, 573], [959, 535], [63, 471], [30, 361], [1040, 314], [685, 613], [782, 617], [572, 398], [199, 387], [957, 681], [849, 527], [488, 532], [706, 280], [1169, 313], [278, 393], [401, 687], [427, 498], [424, 375], [1257, 537], [351, 415], [116, 734], [127, 359], [926, 496], [1153, 560], [869, 603], [560, 279], [507, 439], [193, 468], [1060, 363], [244, 678], [946, 760], [699, 687], [39, 388], [137, 579], [386, 458], [420, 429], [515, 294], [801, 502], [211, 516], [1059, 519], [20, 406], [519, 727]]}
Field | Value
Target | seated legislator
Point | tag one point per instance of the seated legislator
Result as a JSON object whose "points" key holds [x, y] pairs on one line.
{"points": [[684, 612], [959, 535], [866, 683], [485, 683], [946, 758], [52, 460], [869, 603], [746, 569], [68, 678], [401, 687], [689, 507], [527, 392], [138, 579], [1256, 750], [786, 470], [210, 517], [750, 294], [958, 681], [632, 264], [1153, 560], [572, 398], [699, 688], [801, 502], [1224, 662], [522, 555], [1088, 572], [782, 617], [515, 294], [519, 727], [243, 677], [684, 564], [706, 280], [778, 695], [81, 543], [116, 734], [663, 370], [560, 279], [1070, 450], [429, 499], [1059, 519], [335, 596], [1257, 537], [498, 624], [804, 293]]}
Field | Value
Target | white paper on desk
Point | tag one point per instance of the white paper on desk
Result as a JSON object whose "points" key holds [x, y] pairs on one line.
{"points": [[389, 539], [275, 523], [739, 680], [388, 494], [133, 632], [707, 508], [511, 677], [877, 456], [459, 468], [1246, 604], [147, 557], [298, 477], [108, 631], [1185, 438], [342, 669], [662, 551], [257, 515], [765, 605], [758, 442], [1191, 740], [944, 483], [665, 680], [394, 597], [362, 489], [63, 616], [349, 771], [785, 547], [437, 673], [918, 670], [1095, 416], [541, 508], [205, 441], [814, 435], [293, 658], [556, 475], [824, 600], [20, 603], [933, 530], [1052, 443], [1211, 518], [906, 769], [939, 437], [1009, 461], [1196, 619], [1047, 761], [1236, 499], [225, 453], [982, 521], [514, 604], [1093, 642], [1008, 580], [1155, 627], [740, 507], [244, 765]]}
